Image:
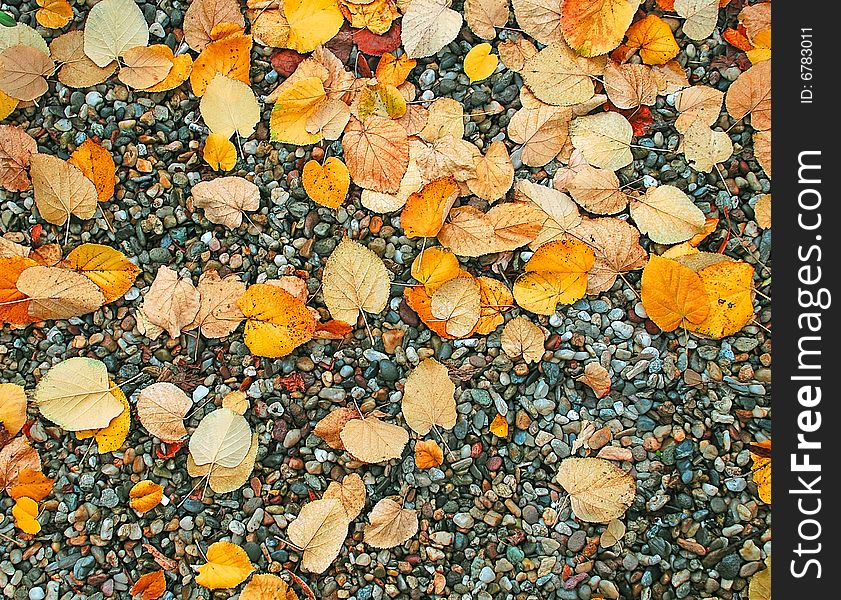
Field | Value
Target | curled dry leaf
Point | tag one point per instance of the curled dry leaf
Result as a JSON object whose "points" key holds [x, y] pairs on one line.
{"points": [[12, 407], [277, 322], [145, 495], [267, 587], [223, 480], [376, 16], [484, 16], [456, 303], [330, 427], [61, 190], [597, 378], [149, 586], [599, 492], [667, 215], [225, 199], [673, 295], [161, 408], [355, 280], [376, 152], [428, 26], [350, 492], [521, 337], [320, 531], [218, 314], [429, 398], [555, 274], [112, 28], [594, 27], [16, 150], [372, 441], [428, 454], [222, 438], [390, 524], [76, 394], [227, 566], [561, 212], [172, 302]]}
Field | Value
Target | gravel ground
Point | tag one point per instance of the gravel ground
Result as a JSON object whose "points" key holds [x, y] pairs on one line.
{"points": [[493, 521]]}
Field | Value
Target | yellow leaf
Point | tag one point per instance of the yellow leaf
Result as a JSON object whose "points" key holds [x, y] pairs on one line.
{"points": [[12, 407], [229, 106], [230, 56], [435, 266], [326, 184], [277, 322], [673, 295], [32, 484], [557, 75], [294, 106], [556, 273], [494, 173], [25, 513], [479, 63], [381, 100], [425, 211], [604, 139], [729, 289], [7, 105], [760, 583], [760, 452], [219, 152], [499, 427], [54, 14], [428, 454], [145, 495], [311, 23], [392, 70], [655, 40], [96, 163], [227, 566], [150, 586], [113, 436], [761, 51], [594, 27], [494, 299], [374, 15], [108, 268]]}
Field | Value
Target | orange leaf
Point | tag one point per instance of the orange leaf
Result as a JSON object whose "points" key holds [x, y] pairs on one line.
{"points": [[710, 225], [737, 38], [428, 454], [392, 70], [150, 586], [277, 322], [326, 184], [32, 484], [54, 14], [25, 513], [655, 40], [673, 294], [499, 426], [230, 56], [421, 302], [219, 152], [145, 496], [594, 27], [14, 306], [425, 211], [96, 163], [332, 330]]}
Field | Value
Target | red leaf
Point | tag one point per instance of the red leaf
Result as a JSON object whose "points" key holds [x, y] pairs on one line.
{"points": [[370, 43], [168, 449], [737, 39], [640, 118], [292, 382], [332, 330], [35, 234], [286, 61], [341, 44]]}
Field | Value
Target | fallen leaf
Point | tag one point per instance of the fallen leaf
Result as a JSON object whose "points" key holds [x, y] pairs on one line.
{"points": [[112, 28], [612, 534], [494, 173], [230, 56], [596, 190], [350, 492], [145, 66], [521, 337], [203, 15], [755, 18], [597, 378], [594, 27], [226, 199], [372, 440], [428, 26], [555, 274], [14, 305], [389, 524], [145, 495], [540, 19], [750, 95], [311, 23], [222, 438], [428, 454], [425, 211], [729, 288], [330, 427], [762, 150], [760, 453], [53, 14], [219, 152], [61, 190], [673, 295], [499, 427], [392, 70], [429, 398], [223, 480], [296, 102], [16, 457], [599, 492], [495, 298], [56, 293], [12, 407], [161, 408], [149, 586], [16, 150], [762, 211], [108, 268], [667, 215], [227, 566], [172, 302], [267, 587], [629, 86], [319, 531], [218, 314], [760, 584], [615, 243], [277, 322], [355, 280], [376, 153], [380, 100], [479, 63], [557, 75], [329, 119], [112, 437], [77, 70], [229, 106], [326, 184], [700, 17], [456, 303], [704, 148], [435, 266], [604, 139], [25, 514], [96, 163], [654, 39], [484, 16], [32, 484], [23, 72], [699, 103], [561, 212], [375, 15]]}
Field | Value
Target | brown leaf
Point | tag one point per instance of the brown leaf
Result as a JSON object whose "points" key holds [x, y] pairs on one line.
{"points": [[16, 149], [390, 524], [203, 15], [56, 293], [331, 426], [16, 456], [521, 337], [350, 492], [218, 314], [23, 70], [77, 70], [616, 245], [597, 378], [376, 153], [171, 302]]}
